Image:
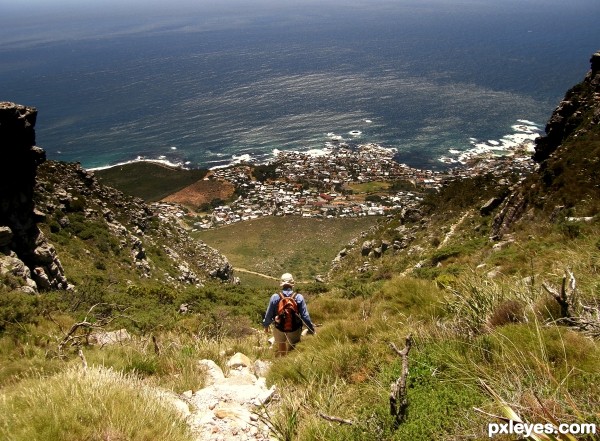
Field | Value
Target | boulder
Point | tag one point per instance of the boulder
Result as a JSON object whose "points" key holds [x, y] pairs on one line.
{"points": [[366, 248], [239, 360], [213, 372], [110, 338], [489, 206]]}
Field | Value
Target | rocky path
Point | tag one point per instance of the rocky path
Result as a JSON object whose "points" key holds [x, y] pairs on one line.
{"points": [[226, 408], [247, 271], [453, 228]]}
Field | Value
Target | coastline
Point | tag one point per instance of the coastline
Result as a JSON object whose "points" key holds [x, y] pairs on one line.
{"points": [[524, 133]]}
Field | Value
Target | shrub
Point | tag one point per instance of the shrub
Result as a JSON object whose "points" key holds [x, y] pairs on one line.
{"points": [[16, 309], [509, 311]]}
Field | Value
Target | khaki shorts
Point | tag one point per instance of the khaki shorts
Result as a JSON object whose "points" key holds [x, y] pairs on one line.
{"points": [[291, 338]]}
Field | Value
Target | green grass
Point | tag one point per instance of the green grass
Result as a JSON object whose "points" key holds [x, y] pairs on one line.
{"points": [[274, 245], [96, 404], [148, 181], [370, 187]]}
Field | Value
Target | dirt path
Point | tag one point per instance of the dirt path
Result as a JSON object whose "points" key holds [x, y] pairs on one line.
{"points": [[247, 271], [244, 270], [453, 228]]}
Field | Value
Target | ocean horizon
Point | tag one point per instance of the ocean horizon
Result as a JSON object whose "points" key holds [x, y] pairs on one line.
{"points": [[200, 85]]}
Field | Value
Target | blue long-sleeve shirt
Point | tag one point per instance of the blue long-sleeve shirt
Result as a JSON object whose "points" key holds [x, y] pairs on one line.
{"points": [[302, 310]]}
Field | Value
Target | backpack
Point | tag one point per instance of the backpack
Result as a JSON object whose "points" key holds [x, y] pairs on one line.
{"points": [[287, 318]]}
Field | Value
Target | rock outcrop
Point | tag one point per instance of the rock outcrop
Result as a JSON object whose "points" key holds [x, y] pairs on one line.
{"points": [[25, 254], [568, 157], [70, 201], [572, 111]]}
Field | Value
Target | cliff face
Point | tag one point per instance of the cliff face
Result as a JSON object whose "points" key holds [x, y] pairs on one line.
{"points": [[24, 251], [579, 110], [568, 178]]}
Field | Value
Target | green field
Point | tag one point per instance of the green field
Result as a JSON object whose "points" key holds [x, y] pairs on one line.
{"points": [[370, 187], [273, 245], [147, 180]]}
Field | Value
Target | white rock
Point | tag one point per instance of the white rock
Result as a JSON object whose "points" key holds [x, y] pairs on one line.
{"points": [[238, 360], [213, 372]]}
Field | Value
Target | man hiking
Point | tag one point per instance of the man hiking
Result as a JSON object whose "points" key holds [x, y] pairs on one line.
{"points": [[287, 311]]}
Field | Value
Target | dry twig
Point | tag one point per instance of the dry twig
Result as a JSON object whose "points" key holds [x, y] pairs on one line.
{"points": [[398, 398], [336, 419]]}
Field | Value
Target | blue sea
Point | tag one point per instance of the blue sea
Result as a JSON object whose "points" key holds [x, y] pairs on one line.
{"points": [[203, 85]]}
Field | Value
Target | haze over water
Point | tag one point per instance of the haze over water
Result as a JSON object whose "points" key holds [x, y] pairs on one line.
{"points": [[199, 84]]}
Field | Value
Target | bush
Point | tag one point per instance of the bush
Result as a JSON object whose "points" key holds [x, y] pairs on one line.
{"points": [[16, 309], [509, 311]]}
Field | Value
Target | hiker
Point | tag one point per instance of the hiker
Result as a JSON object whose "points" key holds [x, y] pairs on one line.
{"points": [[287, 311]]}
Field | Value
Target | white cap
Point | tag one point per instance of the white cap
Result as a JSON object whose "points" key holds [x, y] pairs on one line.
{"points": [[287, 279]]}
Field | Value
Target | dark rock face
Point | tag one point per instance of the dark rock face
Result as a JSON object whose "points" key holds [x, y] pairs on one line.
{"points": [[575, 117], [569, 114], [20, 238]]}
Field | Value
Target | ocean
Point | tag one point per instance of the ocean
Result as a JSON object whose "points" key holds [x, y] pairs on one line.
{"points": [[203, 86]]}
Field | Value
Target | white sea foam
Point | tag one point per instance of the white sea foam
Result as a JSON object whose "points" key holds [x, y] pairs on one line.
{"points": [[235, 159], [525, 121], [524, 135], [142, 159], [318, 152]]}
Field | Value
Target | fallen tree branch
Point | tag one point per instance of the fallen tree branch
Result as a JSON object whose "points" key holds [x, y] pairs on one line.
{"points": [[564, 297], [97, 323], [398, 398], [336, 419]]}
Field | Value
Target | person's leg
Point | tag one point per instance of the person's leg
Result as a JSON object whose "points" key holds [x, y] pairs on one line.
{"points": [[292, 338], [281, 345]]}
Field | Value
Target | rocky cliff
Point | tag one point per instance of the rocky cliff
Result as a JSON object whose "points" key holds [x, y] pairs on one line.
{"points": [[568, 178], [25, 254], [91, 224], [574, 115]]}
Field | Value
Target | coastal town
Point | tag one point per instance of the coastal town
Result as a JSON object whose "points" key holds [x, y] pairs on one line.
{"points": [[338, 181]]}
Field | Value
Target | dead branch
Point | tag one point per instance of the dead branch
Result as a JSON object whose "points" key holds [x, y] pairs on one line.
{"points": [[336, 419], [83, 360], [398, 398], [564, 297], [99, 323], [70, 334], [156, 346]]}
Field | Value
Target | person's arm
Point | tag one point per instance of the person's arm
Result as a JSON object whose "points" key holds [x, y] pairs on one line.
{"points": [[270, 314], [303, 310]]}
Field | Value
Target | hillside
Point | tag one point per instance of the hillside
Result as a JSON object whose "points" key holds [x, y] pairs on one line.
{"points": [[147, 180], [488, 289]]}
